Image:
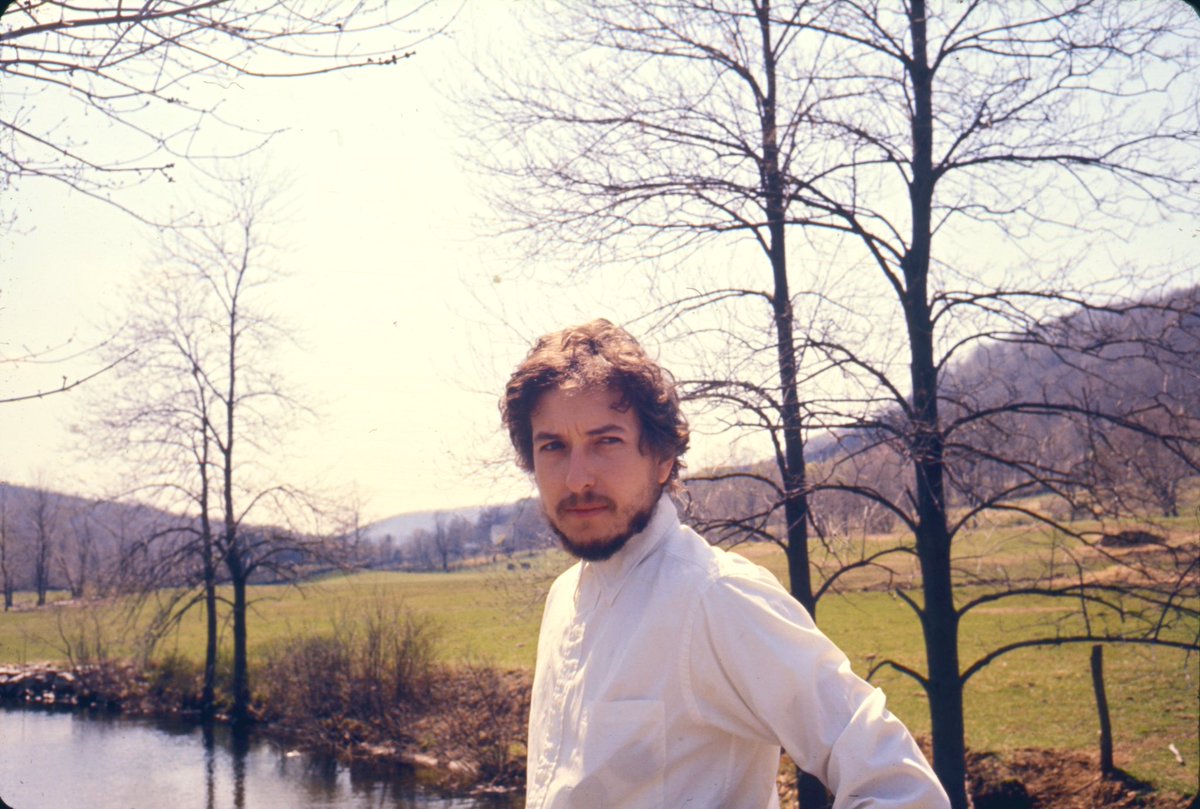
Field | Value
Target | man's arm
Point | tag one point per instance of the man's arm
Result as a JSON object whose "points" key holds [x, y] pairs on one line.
{"points": [[761, 669]]}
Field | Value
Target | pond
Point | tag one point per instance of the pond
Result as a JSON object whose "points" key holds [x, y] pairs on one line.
{"points": [[55, 759]]}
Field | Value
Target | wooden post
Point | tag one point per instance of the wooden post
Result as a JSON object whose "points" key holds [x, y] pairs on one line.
{"points": [[1106, 743]]}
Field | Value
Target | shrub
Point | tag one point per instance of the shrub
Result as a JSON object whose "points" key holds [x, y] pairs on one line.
{"points": [[362, 668], [174, 680]]}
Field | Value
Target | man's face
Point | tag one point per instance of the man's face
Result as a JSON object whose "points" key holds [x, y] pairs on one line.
{"points": [[596, 485]]}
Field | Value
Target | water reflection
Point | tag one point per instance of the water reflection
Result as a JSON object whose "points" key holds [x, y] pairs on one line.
{"points": [[52, 759], [210, 766]]}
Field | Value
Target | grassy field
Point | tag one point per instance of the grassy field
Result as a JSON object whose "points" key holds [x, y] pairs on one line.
{"points": [[1034, 698]]}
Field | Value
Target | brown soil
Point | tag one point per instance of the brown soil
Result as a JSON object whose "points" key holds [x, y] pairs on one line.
{"points": [[1041, 779], [1059, 780]]}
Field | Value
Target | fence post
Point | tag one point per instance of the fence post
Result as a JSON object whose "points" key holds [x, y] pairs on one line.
{"points": [[1106, 743]]}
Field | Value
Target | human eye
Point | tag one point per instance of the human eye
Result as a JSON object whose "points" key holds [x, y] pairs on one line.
{"points": [[610, 440], [552, 445]]}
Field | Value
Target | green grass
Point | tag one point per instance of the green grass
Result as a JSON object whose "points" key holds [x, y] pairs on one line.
{"points": [[1032, 698], [1040, 697], [488, 614]]}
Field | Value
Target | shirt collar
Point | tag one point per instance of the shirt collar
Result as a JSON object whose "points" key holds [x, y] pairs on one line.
{"points": [[611, 573]]}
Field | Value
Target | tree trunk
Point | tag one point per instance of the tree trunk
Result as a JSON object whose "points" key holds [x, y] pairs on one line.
{"points": [[939, 618], [241, 676], [939, 624], [234, 557], [5, 578], [41, 574], [208, 698], [810, 791]]}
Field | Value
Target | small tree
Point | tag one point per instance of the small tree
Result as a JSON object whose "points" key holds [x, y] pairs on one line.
{"points": [[420, 550], [210, 411], [43, 523], [77, 556]]}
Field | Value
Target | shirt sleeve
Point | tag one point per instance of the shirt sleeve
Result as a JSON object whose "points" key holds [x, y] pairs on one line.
{"points": [[760, 669]]}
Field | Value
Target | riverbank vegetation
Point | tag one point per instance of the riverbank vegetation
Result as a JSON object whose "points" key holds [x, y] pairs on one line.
{"points": [[368, 684]]}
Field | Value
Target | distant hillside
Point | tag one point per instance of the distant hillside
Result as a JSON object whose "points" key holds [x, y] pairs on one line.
{"points": [[401, 527], [66, 541], [55, 541], [1066, 406]]}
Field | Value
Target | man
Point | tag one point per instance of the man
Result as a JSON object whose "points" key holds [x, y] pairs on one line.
{"points": [[670, 673]]}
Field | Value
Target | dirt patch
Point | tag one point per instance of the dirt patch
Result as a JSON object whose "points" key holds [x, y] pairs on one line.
{"points": [[1037, 779], [1131, 539], [1046, 779]]}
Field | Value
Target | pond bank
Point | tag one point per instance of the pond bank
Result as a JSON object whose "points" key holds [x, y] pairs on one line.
{"points": [[463, 727]]}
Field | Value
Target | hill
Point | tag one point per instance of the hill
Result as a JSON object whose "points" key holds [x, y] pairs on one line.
{"points": [[55, 541], [402, 527], [1098, 409]]}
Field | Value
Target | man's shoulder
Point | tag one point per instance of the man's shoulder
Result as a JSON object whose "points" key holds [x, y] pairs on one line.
{"points": [[726, 583], [568, 579], [713, 563]]}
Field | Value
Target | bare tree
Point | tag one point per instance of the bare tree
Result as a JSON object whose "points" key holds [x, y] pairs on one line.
{"points": [[869, 129], [679, 130], [140, 76], [43, 524], [230, 261], [210, 411], [654, 161], [1132, 474], [925, 101], [158, 419], [76, 555], [450, 536]]}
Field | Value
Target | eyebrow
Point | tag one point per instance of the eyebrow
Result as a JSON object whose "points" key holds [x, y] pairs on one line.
{"points": [[543, 435]]}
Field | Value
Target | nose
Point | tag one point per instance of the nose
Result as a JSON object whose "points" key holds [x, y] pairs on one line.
{"points": [[579, 473]]}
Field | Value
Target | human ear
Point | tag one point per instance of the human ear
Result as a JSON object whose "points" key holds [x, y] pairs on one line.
{"points": [[664, 470]]}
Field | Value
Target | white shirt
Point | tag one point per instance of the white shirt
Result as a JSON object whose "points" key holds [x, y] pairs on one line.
{"points": [[671, 674]]}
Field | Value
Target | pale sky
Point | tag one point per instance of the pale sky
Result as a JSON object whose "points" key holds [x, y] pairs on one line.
{"points": [[409, 311], [410, 314]]}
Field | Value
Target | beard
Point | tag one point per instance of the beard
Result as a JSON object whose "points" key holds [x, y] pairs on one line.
{"points": [[635, 520]]}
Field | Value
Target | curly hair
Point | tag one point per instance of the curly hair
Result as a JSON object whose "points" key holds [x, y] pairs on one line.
{"points": [[597, 355]]}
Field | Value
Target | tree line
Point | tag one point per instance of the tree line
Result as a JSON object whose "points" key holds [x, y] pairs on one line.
{"points": [[1142, 468], [498, 533]]}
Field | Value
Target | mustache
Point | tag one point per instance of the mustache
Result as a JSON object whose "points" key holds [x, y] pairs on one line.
{"points": [[589, 500]]}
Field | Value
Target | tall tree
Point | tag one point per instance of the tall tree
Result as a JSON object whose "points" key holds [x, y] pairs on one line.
{"points": [[663, 128], [870, 129], [630, 155], [230, 262], [157, 418], [946, 121]]}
